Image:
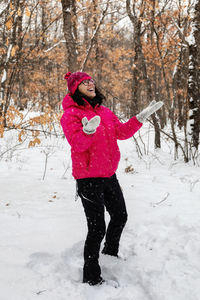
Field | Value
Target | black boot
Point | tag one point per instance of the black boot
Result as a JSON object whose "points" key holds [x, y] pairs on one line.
{"points": [[98, 281], [110, 251]]}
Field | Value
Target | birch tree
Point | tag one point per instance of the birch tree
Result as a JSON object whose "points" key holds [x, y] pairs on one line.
{"points": [[194, 77]]}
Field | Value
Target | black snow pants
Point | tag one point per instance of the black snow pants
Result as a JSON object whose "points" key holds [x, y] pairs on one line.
{"points": [[97, 193]]}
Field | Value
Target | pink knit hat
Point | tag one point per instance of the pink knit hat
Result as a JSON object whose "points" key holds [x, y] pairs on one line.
{"points": [[74, 79]]}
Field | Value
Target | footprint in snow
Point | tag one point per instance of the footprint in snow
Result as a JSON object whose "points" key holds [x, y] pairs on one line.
{"points": [[67, 265]]}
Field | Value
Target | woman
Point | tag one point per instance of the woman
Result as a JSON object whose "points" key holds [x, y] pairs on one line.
{"points": [[92, 130]]}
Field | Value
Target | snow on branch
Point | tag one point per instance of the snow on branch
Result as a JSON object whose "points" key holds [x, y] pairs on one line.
{"points": [[54, 46], [181, 33]]}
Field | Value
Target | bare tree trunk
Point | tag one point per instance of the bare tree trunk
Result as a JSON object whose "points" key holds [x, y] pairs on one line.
{"points": [[70, 33], [194, 78], [141, 65], [94, 36], [20, 74], [6, 82], [98, 69], [135, 77], [156, 86]]}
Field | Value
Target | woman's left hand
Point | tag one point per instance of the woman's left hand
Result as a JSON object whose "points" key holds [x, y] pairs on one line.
{"points": [[149, 110]]}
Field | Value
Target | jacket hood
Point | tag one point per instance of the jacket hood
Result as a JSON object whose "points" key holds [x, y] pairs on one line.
{"points": [[68, 102]]}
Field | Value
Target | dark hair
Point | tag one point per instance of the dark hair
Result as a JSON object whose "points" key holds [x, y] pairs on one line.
{"points": [[78, 97]]}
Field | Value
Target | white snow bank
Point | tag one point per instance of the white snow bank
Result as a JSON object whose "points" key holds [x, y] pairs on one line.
{"points": [[43, 229]]}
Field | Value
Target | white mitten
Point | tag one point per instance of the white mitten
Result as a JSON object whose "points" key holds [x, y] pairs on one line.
{"points": [[149, 110], [90, 126]]}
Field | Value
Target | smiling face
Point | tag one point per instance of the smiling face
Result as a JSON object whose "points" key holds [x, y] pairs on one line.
{"points": [[87, 88]]}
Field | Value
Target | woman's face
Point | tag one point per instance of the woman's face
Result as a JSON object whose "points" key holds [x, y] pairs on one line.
{"points": [[87, 88]]}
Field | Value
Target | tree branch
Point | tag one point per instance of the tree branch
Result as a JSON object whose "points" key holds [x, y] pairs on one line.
{"points": [[94, 36]]}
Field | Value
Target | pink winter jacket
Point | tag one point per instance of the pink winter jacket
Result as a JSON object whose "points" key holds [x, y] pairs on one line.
{"points": [[94, 155]]}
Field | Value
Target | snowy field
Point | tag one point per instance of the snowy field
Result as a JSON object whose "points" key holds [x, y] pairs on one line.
{"points": [[42, 227]]}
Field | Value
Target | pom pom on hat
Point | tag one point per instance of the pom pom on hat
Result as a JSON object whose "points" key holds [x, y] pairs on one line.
{"points": [[74, 79], [67, 75]]}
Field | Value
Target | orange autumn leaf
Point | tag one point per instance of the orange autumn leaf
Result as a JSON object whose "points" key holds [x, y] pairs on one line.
{"points": [[9, 23], [27, 12], [13, 51], [20, 135]]}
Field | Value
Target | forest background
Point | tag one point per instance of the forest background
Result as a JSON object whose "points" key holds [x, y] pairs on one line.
{"points": [[137, 51]]}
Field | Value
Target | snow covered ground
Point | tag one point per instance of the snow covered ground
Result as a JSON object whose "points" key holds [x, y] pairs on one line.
{"points": [[42, 227]]}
